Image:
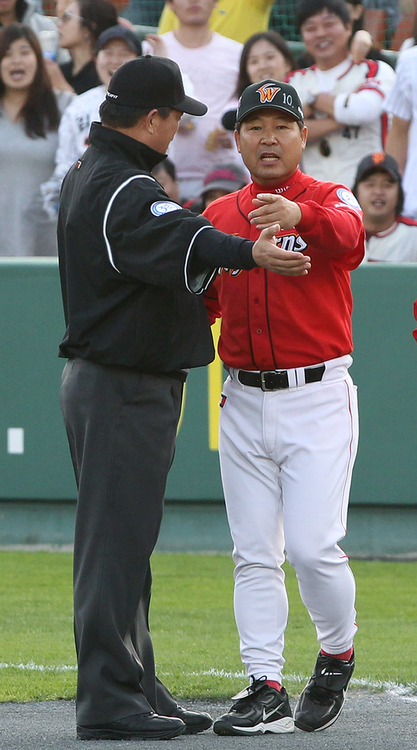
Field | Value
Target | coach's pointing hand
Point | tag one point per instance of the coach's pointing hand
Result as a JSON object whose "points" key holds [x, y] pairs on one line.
{"points": [[266, 254], [272, 209]]}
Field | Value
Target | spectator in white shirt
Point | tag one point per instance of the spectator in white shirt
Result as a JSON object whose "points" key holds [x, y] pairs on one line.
{"points": [[342, 101], [401, 143], [115, 46], [211, 61], [389, 235]]}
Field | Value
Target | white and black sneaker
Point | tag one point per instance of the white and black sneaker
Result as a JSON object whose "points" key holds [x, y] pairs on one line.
{"points": [[322, 699], [259, 709]]}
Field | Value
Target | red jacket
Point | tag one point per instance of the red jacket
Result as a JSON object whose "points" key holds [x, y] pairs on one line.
{"points": [[278, 322]]}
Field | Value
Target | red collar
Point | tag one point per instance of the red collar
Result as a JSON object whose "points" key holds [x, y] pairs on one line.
{"points": [[290, 188]]}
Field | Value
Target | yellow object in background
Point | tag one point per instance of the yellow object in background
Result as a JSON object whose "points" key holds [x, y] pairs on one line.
{"points": [[215, 382], [236, 19]]}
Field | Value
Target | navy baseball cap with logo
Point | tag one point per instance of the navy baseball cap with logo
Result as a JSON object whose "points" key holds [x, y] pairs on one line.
{"points": [[270, 94], [376, 162], [152, 82], [119, 32]]}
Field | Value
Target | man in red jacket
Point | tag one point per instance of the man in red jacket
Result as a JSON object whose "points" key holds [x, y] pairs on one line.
{"points": [[288, 427]]}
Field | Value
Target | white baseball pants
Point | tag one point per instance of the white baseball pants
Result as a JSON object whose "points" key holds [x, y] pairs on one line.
{"points": [[286, 460]]}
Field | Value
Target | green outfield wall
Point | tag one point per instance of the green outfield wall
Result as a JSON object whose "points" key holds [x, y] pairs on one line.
{"points": [[37, 489]]}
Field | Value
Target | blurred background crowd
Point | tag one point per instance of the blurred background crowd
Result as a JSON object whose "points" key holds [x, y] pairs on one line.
{"points": [[353, 64]]}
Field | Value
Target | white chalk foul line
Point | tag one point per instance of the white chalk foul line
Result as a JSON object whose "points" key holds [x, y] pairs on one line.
{"points": [[32, 667], [388, 686], [406, 691]]}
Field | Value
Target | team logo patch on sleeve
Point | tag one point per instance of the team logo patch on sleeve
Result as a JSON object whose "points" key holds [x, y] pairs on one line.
{"points": [[348, 198], [159, 208]]}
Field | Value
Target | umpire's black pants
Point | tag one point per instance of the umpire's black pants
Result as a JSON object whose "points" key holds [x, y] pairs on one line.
{"points": [[121, 427]]}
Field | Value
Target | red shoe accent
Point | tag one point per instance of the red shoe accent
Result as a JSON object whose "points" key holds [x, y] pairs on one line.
{"points": [[345, 656], [274, 684]]}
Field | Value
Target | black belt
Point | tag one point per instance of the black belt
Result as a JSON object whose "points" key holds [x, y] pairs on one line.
{"points": [[277, 380]]}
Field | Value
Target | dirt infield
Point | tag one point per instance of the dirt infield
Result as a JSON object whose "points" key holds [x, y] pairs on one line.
{"points": [[370, 721]]}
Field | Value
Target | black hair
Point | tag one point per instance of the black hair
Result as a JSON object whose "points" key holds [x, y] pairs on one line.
{"points": [[308, 8], [20, 9], [357, 25], [400, 203], [169, 168], [97, 16], [119, 116], [273, 38], [40, 113]]}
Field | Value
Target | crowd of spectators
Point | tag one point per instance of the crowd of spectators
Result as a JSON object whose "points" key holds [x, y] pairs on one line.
{"points": [[115, 46], [79, 28], [358, 105]]}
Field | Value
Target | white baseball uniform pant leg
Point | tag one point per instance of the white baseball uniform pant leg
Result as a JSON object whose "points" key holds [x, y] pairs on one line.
{"points": [[286, 461]]}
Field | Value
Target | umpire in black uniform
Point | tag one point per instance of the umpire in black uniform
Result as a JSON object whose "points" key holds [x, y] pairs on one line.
{"points": [[133, 265]]}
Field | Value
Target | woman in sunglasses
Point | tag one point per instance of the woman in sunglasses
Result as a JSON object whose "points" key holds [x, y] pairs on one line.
{"points": [[79, 28]]}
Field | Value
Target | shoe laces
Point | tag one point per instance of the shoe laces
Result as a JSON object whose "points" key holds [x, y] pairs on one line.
{"points": [[249, 693], [257, 684]]}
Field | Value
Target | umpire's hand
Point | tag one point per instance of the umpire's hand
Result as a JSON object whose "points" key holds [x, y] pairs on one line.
{"points": [[266, 254]]}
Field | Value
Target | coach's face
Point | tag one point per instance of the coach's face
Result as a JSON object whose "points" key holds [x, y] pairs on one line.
{"points": [[271, 144]]}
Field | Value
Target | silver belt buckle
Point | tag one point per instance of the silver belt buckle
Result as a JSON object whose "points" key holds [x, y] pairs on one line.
{"points": [[264, 374]]}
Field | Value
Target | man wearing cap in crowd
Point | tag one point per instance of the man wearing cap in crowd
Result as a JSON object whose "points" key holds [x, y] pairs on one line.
{"points": [[288, 417], [133, 267], [343, 101], [389, 236], [115, 46], [221, 180]]}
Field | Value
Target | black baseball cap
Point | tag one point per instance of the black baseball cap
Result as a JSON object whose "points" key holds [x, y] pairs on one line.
{"points": [[149, 82], [376, 162], [119, 32], [270, 94]]}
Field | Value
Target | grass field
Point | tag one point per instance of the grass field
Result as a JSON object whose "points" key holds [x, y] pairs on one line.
{"points": [[194, 634]]}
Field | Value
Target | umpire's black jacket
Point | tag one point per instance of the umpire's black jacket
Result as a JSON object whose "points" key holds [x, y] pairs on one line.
{"points": [[133, 262]]}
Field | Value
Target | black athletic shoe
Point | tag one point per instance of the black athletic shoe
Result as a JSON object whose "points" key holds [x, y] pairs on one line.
{"points": [[149, 726], [322, 699], [195, 721], [259, 709]]}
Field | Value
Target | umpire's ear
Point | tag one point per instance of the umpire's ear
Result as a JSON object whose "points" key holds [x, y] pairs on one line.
{"points": [[149, 120]]}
